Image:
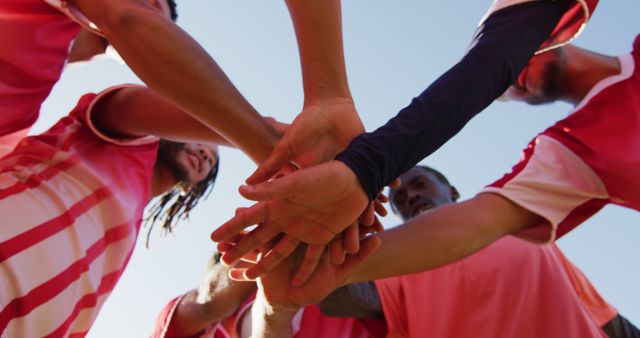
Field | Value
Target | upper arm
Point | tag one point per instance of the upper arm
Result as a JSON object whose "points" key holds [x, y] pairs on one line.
{"points": [[136, 111], [121, 112], [106, 13], [502, 216]]}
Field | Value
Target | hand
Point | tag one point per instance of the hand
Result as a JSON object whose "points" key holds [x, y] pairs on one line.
{"points": [[348, 242], [311, 205], [322, 130], [276, 286], [281, 127]]}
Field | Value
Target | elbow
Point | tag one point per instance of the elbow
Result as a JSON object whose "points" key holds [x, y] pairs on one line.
{"points": [[123, 17]]}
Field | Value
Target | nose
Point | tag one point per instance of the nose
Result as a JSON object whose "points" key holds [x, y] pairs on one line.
{"points": [[413, 196], [205, 154]]}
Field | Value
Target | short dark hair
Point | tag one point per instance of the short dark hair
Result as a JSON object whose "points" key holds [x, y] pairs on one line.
{"points": [[173, 10], [175, 204], [437, 174]]}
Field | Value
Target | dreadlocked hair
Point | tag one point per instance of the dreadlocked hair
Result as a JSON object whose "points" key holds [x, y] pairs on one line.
{"points": [[173, 10], [175, 205]]}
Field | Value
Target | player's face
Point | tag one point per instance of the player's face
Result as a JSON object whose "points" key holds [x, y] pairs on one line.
{"points": [[419, 192], [195, 162], [541, 81]]}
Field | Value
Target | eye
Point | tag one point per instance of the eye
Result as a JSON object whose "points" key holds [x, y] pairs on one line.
{"points": [[420, 183], [400, 197]]}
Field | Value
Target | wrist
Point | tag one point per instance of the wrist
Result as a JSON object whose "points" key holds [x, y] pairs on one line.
{"points": [[328, 99]]}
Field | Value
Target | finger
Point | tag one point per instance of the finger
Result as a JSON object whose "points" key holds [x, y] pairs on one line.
{"points": [[280, 188], [379, 208], [336, 250], [224, 247], [238, 275], [280, 155], [372, 229], [253, 240], [368, 246], [252, 257], [351, 237], [312, 257], [377, 226], [396, 183], [280, 251], [383, 198], [367, 216], [309, 232], [244, 218]]}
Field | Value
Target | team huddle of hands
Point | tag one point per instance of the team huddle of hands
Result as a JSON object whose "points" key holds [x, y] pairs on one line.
{"points": [[312, 224]]}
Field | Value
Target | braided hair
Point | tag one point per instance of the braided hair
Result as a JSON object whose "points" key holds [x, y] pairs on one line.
{"points": [[175, 204]]}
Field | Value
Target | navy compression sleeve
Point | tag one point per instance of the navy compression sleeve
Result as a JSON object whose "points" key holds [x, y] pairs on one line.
{"points": [[501, 49]]}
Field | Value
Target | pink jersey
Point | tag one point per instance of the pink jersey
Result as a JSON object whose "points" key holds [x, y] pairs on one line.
{"points": [[34, 44], [568, 28], [308, 323], [72, 201], [510, 289], [599, 310], [585, 161]]}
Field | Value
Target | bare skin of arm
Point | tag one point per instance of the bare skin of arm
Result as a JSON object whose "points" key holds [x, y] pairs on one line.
{"points": [[328, 120], [215, 300], [446, 234], [138, 111], [170, 62]]}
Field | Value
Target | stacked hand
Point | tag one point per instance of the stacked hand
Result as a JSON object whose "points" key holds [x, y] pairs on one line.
{"points": [[278, 292], [313, 205]]}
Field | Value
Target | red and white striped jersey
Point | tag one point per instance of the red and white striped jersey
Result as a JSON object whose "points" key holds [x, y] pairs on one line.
{"points": [[309, 322], [72, 201], [585, 161], [34, 44]]}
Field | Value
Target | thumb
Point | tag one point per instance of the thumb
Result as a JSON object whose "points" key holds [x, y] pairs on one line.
{"points": [[368, 247], [275, 189], [280, 156]]}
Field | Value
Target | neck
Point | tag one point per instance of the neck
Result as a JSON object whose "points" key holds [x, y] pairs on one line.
{"points": [[161, 181], [585, 70]]}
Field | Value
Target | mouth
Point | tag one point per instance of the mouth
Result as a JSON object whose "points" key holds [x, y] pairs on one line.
{"points": [[194, 161], [422, 208]]}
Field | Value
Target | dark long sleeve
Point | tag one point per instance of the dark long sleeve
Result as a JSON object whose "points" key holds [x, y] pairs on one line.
{"points": [[358, 300], [501, 49]]}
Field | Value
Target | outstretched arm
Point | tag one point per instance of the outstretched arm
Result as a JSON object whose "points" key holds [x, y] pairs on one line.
{"points": [[502, 48], [328, 120], [170, 62], [446, 234], [135, 111], [216, 299], [308, 208]]}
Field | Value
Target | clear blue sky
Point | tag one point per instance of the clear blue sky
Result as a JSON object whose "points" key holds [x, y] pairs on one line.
{"points": [[393, 51]]}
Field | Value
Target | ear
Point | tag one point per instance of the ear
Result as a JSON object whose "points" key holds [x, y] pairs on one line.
{"points": [[454, 193], [161, 5]]}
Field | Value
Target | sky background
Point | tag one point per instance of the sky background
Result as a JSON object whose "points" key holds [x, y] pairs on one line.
{"points": [[394, 50]]}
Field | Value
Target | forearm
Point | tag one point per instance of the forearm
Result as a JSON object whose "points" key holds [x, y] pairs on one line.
{"points": [[267, 322], [318, 26], [444, 235], [169, 61], [502, 48], [215, 300], [136, 111]]}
